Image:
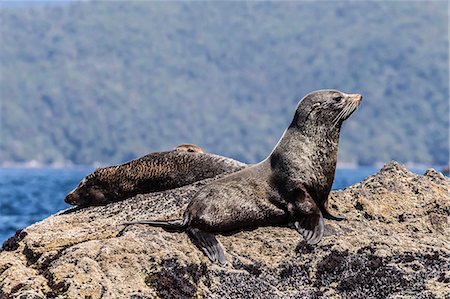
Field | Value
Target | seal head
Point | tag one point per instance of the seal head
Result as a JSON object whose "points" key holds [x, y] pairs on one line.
{"points": [[324, 111], [87, 191]]}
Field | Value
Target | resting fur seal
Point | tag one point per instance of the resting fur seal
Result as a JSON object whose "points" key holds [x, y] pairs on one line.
{"points": [[289, 188], [182, 166]]}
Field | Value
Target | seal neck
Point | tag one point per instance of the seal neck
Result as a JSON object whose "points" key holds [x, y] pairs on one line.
{"points": [[307, 156], [308, 142]]}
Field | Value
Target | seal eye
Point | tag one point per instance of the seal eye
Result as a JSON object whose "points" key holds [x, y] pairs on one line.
{"points": [[338, 98]]}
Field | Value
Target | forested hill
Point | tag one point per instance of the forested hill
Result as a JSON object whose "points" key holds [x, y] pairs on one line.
{"points": [[110, 81]]}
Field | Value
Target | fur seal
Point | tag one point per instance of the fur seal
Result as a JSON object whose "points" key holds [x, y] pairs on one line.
{"points": [[289, 188], [161, 171]]}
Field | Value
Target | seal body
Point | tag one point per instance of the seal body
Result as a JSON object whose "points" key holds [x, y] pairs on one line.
{"points": [[154, 172], [289, 188]]}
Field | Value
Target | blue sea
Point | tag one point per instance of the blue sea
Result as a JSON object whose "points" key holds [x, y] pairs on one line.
{"points": [[28, 195]]}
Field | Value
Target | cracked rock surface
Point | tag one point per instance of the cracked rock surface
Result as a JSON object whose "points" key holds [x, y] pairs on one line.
{"points": [[395, 243]]}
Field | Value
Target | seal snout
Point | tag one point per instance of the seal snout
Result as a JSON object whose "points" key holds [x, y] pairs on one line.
{"points": [[72, 198], [355, 98]]}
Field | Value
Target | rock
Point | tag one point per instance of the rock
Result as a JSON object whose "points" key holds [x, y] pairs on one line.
{"points": [[395, 243]]}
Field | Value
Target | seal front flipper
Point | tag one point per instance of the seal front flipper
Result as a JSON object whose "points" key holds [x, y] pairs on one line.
{"points": [[311, 228], [208, 243], [329, 216], [308, 217]]}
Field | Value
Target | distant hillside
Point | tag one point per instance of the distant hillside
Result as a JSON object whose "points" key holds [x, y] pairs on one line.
{"points": [[111, 81]]}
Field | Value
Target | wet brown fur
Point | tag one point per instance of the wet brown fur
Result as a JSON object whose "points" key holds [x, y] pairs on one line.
{"points": [[150, 173], [289, 188]]}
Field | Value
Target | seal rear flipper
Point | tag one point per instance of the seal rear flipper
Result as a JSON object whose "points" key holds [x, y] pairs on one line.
{"points": [[208, 243], [311, 227]]}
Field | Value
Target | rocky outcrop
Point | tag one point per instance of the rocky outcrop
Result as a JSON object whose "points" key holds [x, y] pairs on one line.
{"points": [[395, 243]]}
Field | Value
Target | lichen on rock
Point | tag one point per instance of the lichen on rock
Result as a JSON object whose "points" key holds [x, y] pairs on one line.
{"points": [[395, 242]]}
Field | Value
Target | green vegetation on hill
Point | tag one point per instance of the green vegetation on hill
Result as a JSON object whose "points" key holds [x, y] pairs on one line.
{"points": [[110, 81]]}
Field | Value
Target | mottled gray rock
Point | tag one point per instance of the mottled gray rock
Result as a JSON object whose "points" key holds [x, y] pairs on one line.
{"points": [[395, 243]]}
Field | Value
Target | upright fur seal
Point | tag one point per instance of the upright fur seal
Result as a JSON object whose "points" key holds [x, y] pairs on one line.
{"points": [[182, 166], [288, 188]]}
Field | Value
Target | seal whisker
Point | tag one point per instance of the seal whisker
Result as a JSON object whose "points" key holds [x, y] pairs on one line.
{"points": [[338, 117], [347, 110], [354, 106]]}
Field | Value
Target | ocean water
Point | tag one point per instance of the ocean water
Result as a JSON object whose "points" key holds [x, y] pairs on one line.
{"points": [[28, 195]]}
